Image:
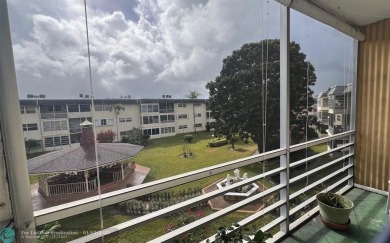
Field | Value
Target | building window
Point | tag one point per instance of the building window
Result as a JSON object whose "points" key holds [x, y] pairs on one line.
{"points": [[74, 124], [56, 141], [167, 130], [85, 108], [149, 108], [54, 126], [27, 109], [103, 122], [167, 118], [30, 127], [151, 131], [197, 104], [73, 108], [126, 119], [79, 108], [182, 126], [208, 115], [54, 108], [166, 107], [102, 108], [150, 119], [124, 134], [182, 116], [181, 105], [198, 114], [198, 125]]}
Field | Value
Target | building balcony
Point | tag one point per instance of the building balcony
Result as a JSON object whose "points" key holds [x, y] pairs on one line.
{"points": [[297, 193], [167, 110], [53, 115], [368, 219]]}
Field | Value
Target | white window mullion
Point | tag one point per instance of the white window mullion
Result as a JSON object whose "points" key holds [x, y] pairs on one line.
{"points": [[285, 111]]}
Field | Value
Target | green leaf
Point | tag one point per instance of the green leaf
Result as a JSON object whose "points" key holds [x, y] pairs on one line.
{"points": [[246, 237]]}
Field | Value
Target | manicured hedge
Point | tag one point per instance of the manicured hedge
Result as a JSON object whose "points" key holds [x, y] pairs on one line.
{"points": [[218, 143]]}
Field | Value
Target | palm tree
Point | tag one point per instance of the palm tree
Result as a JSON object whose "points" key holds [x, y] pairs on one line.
{"points": [[117, 108], [193, 95]]}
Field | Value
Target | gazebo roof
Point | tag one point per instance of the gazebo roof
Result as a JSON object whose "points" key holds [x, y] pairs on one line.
{"points": [[77, 158]]}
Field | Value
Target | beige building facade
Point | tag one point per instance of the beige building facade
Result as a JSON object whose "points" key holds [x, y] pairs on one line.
{"points": [[55, 123]]}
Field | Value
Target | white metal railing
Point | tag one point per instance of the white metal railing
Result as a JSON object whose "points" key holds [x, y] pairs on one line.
{"points": [[117, 176], [77, 207], [71, 188], [92, 185]]}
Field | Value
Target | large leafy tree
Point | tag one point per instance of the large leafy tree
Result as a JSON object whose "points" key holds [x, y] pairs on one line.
{"points": [[237, 95]]}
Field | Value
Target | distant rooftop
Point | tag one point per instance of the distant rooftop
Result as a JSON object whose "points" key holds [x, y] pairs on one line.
{"points": [[106, 101], [336, 90]]}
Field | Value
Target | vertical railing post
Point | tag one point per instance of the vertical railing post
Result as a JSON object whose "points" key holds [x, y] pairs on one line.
{"points": [[388, 201], [353, 109], [12, 134], [285, 111]]}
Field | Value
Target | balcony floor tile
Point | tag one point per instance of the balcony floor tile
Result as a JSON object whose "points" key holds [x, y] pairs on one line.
{"points": [[367, 220]]}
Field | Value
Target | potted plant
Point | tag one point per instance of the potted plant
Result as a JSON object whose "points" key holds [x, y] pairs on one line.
{"points": [[334, 210], [227, 235]]}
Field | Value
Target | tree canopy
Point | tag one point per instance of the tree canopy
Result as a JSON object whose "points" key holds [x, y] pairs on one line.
{"points": [[136, 136], [237, 98]]}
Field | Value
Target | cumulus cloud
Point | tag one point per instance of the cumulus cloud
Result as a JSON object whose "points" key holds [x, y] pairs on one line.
{"points": [[144, 48]]}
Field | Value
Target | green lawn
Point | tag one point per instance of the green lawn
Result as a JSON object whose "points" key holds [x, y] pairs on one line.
{"points": [[320, 148], [162, 156]]}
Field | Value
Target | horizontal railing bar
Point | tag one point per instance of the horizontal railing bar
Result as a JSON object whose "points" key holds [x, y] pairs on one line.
{"points": [[304, 175], [125, 226], [212, 217], [311, 213], [313, 198], [272, 224], [307, 144], [306, 188], [302, 161], [297, 223], [84, 205], [252, 218]]}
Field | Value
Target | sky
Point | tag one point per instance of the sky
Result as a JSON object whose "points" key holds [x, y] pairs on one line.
{"points": [[149, 48]]}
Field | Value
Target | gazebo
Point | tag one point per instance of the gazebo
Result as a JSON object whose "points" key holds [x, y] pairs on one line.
{"points": [[73, 170]]}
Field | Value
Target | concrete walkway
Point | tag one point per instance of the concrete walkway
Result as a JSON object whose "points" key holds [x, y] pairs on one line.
{"points": [[133, 179]]}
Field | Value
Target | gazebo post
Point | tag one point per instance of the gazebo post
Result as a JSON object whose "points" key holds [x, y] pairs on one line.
{"points": [[86, 174], [46, 185], [123, 172]]}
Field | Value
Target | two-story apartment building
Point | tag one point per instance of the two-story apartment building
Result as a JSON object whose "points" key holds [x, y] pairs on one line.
{"points": [[337, 109], [56, 122], [323, 110]]}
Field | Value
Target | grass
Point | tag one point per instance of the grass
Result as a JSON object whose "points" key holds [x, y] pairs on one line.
{"points": [[162, 156], [319, 148]]}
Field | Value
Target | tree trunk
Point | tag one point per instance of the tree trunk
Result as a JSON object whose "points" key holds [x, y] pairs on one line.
{"points": [[193, 114]]}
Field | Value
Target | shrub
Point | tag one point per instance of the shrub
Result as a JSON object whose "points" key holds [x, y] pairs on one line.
{"points": [[218, 143], [136, 137], [188, 138], [106, 136]]}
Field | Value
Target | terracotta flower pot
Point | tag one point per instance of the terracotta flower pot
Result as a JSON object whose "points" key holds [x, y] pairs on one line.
{"points": [[334, 208]]}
